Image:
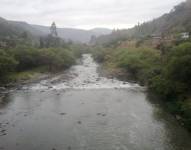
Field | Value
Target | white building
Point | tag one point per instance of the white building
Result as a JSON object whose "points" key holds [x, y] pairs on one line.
{"points": [[185, 35]]}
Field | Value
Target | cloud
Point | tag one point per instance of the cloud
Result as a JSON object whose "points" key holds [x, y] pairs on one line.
{"points": [[85, 13]]}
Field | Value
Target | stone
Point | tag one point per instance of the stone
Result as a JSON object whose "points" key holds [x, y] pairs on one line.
{"points": [[63, 113], [178, 117], [2, 88], [103, 115], [79, 122]]}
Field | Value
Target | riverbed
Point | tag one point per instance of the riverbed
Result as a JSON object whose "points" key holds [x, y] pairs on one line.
{"points": [[81, 110]]}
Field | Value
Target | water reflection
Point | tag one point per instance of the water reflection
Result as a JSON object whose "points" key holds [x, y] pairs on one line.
{"points": [[172, 129], [4, 101]]}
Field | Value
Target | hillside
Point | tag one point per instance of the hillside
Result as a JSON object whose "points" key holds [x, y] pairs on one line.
{"points": [[16, 28], [77, 35], [176, 21], [9, 29]]}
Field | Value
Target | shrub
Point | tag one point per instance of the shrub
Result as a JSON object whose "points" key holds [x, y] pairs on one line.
{"points": [[143, 63], [7, 63]]}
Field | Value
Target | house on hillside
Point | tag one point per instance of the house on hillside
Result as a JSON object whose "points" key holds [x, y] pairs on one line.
{"points": [[156, 40], [128, 44], [169, 39], [185, 35]]}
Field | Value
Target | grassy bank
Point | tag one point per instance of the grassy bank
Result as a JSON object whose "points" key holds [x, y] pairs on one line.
{"points": [[33, 74], [167, 75]]}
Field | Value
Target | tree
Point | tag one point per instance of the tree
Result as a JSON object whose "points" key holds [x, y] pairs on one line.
{"points": [[53, 30], [7, 63]]}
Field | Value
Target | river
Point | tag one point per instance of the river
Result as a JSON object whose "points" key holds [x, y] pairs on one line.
{"points": [[79, 110]]}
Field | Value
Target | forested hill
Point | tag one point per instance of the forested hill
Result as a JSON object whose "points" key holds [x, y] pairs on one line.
{"points": [[176, 21], [15, 29]]}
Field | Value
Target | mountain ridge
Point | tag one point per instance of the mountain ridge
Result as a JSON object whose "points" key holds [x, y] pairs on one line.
{"points": [[176, 21], [15, 28]]}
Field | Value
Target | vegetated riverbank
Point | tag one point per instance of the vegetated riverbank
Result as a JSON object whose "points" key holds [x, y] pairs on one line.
{"points": [[168, 75], [25, 64], [29, 63], [87, 111]]}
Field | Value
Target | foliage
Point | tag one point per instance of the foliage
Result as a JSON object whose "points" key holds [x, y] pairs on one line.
{"points": [[175, 79], [55, 58], [99, 53], [141, 62], [176, 21], [7, 63], [166, 74], [50, 41], [174, 82], [24, 58]]}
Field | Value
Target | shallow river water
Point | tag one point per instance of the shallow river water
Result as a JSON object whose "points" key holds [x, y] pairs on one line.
{"points": [[79, 110]]}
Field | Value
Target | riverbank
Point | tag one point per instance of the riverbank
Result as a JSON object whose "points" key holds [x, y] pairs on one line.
{"points": [[112, 71], [16, 80], [85, 110], [19, 79], [167, 75], [121, 74]]}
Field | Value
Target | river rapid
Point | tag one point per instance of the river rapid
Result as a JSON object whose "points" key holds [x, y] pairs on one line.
{"points": [[80, 110]]}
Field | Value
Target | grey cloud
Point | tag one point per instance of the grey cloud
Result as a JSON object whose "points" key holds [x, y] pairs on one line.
{"points": [[85, 13]]}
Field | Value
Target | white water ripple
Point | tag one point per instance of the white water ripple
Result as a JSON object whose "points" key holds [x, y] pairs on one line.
{"points": [[82, 76]]}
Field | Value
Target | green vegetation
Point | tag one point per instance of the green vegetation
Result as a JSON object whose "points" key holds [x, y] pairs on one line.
{"points": [[168, 75], [141, 62], [7, 63], [25, 75], [168, 26], [21, 59], [173, 84], [157, 54], [25, 58]]}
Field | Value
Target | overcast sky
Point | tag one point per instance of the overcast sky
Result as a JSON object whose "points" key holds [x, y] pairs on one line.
{"points": [[85, 13]]}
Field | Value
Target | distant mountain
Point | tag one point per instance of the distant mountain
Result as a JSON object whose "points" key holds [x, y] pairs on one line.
{"points": [[16, 28], [27, 27], [101, 31], [7, 29], [176, 21], [77, 35]]}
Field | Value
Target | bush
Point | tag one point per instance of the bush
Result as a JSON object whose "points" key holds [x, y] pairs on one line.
{"points": [[143, 63], [174, 83], [7, 63], [27, 57], [56, 58], [99, 54], [175, 79]]}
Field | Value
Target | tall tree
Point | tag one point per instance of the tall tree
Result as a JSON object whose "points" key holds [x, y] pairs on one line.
{"points": [[53, 30]]}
